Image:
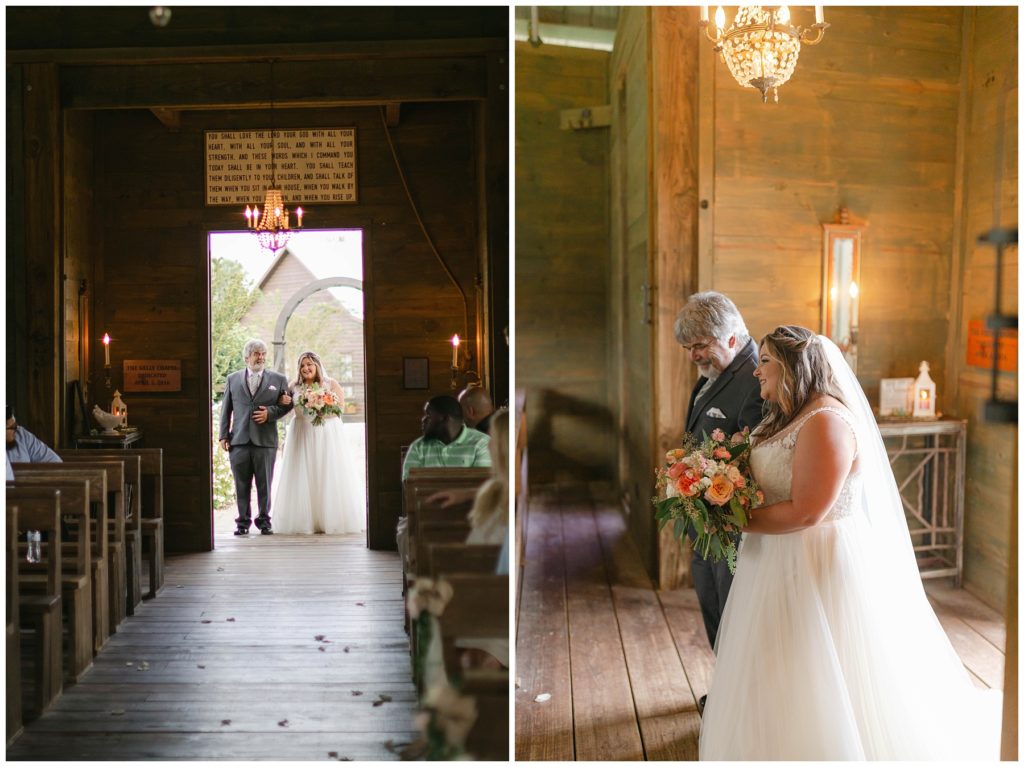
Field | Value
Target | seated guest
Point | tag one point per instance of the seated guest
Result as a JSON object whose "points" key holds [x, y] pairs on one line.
{"points": [[477, 408], [446, 441], [488, 520], [24, 447]]}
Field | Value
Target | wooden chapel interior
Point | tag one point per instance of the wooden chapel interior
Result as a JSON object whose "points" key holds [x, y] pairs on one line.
{"points": [[107, 224], [645, 173]]}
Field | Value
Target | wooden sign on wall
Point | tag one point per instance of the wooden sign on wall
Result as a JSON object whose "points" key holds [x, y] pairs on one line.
{"points": [[317, 165], [152, 375]]}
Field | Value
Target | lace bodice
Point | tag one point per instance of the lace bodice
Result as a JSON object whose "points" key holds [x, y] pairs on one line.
{"points": [[771, 462]]}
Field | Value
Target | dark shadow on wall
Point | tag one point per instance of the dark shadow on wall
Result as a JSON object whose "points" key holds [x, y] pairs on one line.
{"points": [[571, 440]]}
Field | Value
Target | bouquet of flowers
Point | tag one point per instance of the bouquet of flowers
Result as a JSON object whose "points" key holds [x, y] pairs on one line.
{"points": [[705, 487], [319, 403]]}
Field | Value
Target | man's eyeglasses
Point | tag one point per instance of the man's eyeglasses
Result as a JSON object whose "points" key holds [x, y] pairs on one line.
{"points": [[698, 347]]}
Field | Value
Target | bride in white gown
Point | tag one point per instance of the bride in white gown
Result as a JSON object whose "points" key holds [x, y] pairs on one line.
{"points": [[828, 648], [318, 488]]}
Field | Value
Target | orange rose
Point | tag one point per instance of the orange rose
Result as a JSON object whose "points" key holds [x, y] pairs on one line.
{"points": [[688, 486], [721, 452], [720, 491]]}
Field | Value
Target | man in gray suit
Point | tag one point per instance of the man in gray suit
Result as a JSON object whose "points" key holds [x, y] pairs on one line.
{"points": [[726, 397], [254, 399]]}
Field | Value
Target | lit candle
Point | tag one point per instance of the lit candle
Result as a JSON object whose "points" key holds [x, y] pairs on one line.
{"points": [[819, 14], [248, 217], [298, 213], [720, 18], [455, 350], [255, 217], [106, 349], [704, 14], [854, 304]]}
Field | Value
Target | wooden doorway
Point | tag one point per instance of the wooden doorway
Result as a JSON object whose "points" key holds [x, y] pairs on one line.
{"points": [[307, 296]]}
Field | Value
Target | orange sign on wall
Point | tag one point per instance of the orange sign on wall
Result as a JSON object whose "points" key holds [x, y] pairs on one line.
{"points": [[980, 343]]}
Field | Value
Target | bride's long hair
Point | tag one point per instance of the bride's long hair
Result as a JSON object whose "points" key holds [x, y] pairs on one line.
{"points": [[321, 374], [804, 371]]}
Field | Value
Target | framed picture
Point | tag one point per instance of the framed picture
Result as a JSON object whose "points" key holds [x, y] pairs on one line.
{"points": [[896, 397], [415, 373]]}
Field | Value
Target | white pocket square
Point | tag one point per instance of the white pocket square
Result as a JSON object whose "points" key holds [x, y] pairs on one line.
{"points": [[715, 413], [274, 388]]}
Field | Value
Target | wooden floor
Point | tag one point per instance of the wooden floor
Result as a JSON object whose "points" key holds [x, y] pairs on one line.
{"points": [[610, 668], [277, 648]]}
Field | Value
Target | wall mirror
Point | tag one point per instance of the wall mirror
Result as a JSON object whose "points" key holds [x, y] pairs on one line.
{"points": [[840, 287]]}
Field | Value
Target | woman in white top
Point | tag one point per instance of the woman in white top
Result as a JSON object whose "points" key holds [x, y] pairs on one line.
{"points": [[829, 649], [318, 488]]}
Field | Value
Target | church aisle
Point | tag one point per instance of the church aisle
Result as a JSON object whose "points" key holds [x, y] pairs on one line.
{"points": [[608, 667], [283, 648]]}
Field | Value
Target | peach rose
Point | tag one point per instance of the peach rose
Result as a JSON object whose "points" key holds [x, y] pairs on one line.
{"points": [[675, 471], [760, 497], [737, 438], [722, 452], [720, 491], [735, 477], [688, 486]]}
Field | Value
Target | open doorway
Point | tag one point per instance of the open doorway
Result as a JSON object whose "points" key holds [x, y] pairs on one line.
{"points": [[306, 297]]}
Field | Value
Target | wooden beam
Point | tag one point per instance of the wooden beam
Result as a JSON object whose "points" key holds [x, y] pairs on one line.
{"points": [[333, 51], [42, 158], [674, 210], [296, 83], [171, 118], [392, 114]]}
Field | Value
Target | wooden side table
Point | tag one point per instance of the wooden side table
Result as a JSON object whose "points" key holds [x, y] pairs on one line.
{"points": [[107, 441], [929, 460]]}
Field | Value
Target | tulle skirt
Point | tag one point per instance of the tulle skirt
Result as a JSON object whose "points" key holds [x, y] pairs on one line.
{"points": [[318, 487], [815, 661]]}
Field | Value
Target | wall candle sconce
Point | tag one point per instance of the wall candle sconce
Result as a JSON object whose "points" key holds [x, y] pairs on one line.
{"points": [[455, 361], [106, 358]]}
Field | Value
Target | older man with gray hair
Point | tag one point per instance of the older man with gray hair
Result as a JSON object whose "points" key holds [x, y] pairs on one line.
{"points": [[727, 397], [254, 399]]}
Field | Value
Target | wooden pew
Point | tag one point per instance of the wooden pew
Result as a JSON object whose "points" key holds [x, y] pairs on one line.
{"points": [[13, 669], [76, 594], [151, 498], [479, 610], [133, 514], [450, 558], [442, 525], [100, 575], [40, 614]]}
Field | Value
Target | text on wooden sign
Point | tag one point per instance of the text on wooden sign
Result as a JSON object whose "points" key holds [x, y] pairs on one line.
{"points": [[152, 375], [317, 165]]}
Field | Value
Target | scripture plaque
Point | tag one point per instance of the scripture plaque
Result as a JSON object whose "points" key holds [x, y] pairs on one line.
{"points": [[317, 165]]}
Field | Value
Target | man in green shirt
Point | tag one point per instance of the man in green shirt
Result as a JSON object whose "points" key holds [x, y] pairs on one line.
{"points": [[446, 440]]}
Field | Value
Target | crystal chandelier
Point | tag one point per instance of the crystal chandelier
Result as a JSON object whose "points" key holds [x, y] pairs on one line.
{"points": [[272, 225], [761, 46]]}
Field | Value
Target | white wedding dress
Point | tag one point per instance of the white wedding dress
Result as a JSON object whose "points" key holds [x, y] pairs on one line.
{"points": [[317, 488], [828, 648]]}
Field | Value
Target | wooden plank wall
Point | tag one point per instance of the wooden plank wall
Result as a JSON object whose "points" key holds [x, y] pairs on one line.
{"points": [[153, 222], [991, 112], [632, 243], [78, 239], [562, 256], [868, 121], [675, 205]]}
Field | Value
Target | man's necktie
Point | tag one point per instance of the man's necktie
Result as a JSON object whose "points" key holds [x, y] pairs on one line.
{"points": [[254, 384]]}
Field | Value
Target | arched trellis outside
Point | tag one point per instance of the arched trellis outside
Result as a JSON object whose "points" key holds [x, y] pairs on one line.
{"points": [[292, 304]]}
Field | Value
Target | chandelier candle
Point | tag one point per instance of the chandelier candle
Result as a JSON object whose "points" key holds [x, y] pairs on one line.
{"points": [[106, 349]]}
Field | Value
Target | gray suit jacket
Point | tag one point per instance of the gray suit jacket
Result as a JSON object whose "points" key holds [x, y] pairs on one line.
{"points": [[236, 411]]}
